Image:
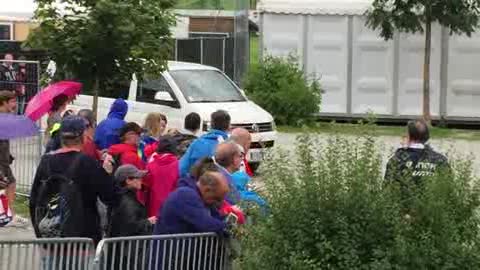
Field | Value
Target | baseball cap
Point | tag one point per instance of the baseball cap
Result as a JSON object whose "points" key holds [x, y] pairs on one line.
{"points": [[72, 126], [128, 171], [130, 127]]}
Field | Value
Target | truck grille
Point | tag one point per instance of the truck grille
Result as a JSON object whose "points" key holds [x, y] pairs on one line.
{"points": [[256, 127], [261, 145]]}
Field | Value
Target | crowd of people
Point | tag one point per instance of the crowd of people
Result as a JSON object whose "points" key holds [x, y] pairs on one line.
{"points": [[19, 77], [118, 178]]}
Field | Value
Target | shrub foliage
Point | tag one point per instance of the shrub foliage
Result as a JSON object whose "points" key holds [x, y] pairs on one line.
{"points": [[330, 209], [281, 87]]}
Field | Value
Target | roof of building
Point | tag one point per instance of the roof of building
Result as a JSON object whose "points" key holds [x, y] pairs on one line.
{"points": [[314, 7]]}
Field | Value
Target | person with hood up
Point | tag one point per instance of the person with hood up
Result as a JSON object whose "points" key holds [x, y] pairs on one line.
{"points": [[162, 178], [107, 132], [126, 152], [205, 145]]}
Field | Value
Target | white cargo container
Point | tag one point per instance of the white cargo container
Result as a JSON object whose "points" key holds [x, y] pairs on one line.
{"points": [[361, 72]]}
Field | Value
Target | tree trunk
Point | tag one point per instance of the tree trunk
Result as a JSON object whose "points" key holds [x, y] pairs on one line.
{"points": [[426, 70], [95, 97]]}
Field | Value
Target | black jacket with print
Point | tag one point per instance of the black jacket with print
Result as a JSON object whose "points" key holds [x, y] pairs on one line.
{"points": [[411, 164]]}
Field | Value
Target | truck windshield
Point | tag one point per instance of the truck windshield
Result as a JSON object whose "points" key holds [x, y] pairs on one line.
{"points": [[200, 86]]}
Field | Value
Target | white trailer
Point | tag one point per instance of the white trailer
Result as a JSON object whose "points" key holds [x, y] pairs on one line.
{"points": [[361, 72]]}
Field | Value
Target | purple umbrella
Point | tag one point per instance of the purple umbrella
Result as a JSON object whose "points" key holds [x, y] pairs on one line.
{"points": [[14, 126]]}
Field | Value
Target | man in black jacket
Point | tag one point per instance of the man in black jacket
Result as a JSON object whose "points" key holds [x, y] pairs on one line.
{"points": [[89, 178], [129, 218], [416, 159]]}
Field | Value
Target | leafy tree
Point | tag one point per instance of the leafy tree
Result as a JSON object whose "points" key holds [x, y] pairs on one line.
{"points": [[417, 16], [281, 87], [103, 41]]}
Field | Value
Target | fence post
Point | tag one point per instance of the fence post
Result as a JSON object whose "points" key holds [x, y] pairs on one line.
{"points": [[223, 58], [176, 49], [201, 50]]}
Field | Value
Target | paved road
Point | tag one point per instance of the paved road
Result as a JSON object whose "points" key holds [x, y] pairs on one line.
{"points": [[389, 144]]}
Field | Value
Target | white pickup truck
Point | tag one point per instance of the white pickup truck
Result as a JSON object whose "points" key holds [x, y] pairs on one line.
{"points": [[187, 88]]}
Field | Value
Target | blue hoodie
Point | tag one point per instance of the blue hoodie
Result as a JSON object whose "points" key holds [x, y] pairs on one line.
{"points": [[106, 133], [202, 147]]}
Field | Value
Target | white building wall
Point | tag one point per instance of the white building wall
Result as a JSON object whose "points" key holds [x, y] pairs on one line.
{"points": [[360, 72]]}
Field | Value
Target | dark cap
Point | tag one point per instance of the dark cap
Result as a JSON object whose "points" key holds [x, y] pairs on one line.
{"points": [[130, 127], [128, 171], [72, 126]]}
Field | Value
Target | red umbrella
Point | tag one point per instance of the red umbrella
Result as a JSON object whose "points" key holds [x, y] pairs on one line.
{"points": [[41, 103]]}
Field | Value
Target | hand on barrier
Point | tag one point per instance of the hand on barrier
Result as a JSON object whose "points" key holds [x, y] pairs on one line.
{"points": [[108, 163], [152, 220]]}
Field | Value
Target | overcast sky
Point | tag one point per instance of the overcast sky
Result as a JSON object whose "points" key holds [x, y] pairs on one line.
{"points": [[17, 6]]}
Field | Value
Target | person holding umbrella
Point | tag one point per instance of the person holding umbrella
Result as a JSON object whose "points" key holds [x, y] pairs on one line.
{"points": [[55, 115]]}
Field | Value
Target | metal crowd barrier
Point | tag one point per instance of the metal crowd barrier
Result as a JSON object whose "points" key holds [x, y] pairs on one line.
{"points": [[27, 153], [166, 252], [47, 254]]}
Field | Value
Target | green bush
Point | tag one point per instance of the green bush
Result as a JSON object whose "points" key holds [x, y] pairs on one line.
{"points": [[330, 209], [281, 87]]}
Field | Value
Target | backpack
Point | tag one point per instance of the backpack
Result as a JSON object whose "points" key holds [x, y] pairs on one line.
{"points": [[59, 208]]}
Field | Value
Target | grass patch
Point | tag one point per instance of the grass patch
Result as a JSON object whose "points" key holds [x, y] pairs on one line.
{"points": [[254, 47], [394, 131], [20, 206]]}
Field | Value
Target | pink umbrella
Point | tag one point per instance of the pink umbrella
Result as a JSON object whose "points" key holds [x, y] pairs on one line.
{"points": [[41, 103]]}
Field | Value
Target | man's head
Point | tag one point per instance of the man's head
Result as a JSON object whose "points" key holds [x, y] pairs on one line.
{"points": [[192, 122], [71, 131], [89, 120], [9, 57], [220, 120], [203, 166], [8, 102], [229, 156], [128, 176], [213, 188], [59, 103], [417, 131], [242, 137], [88, 115], [130, 133]]}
